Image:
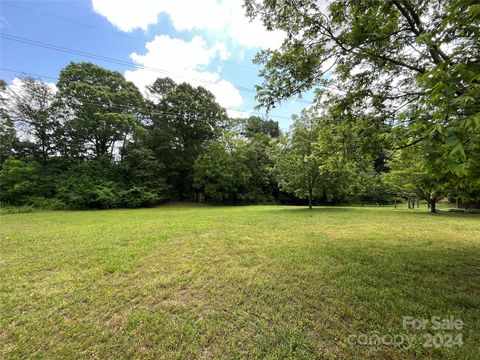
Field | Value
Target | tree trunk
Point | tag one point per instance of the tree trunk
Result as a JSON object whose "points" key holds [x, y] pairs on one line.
{"points": [[310, 195], [395, 202], [433, 205]]}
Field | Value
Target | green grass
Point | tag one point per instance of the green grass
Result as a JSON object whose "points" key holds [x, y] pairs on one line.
{"points": [[192, 282]]}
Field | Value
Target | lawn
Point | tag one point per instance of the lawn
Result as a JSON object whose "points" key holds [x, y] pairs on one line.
{"points": [[276, 282]]}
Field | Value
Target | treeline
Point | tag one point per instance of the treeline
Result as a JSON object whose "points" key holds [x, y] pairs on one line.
{"points": [[94, 141]]}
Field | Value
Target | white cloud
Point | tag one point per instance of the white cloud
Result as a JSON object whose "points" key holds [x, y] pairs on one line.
{"points": [[125, 16], [188, 61], [184, 61], [224, 18]]}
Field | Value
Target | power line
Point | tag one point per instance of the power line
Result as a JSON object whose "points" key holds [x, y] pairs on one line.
{"points": [[117, 61], [114, 32], [146, 112], [29, 74]]}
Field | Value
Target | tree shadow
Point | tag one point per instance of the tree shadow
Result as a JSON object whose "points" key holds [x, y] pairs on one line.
{"points": [[448, 214], [320, 209]]}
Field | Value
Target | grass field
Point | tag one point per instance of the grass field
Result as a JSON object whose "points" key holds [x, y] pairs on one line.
{"points": [[193, 282]]}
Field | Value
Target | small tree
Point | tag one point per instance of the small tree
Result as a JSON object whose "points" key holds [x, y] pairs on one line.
{"points": [[297, 164], [409, 177]]}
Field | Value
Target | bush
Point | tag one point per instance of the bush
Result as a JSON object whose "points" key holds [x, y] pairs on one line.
{"points": [[465, 211], [93, 193], [18, 181], [139, 197], [7, 209], [46, 204], [85, 193]]}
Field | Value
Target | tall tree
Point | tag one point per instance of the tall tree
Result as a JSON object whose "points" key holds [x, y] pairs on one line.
{"points": [[8, 138], [255, 125], [185, 120], [235, 169], [8, 135], [30, 106], [414, 63], [101, 109]]}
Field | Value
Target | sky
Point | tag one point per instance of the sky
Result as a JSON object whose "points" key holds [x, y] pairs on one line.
{"points": [[208, 43]]}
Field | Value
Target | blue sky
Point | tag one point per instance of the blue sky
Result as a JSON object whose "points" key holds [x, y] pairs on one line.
{"points": [[204, 42]]}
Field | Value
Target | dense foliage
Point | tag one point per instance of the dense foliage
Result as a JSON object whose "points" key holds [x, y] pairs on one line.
{"points": [[410, 67], [93, 141], [396, 116]]}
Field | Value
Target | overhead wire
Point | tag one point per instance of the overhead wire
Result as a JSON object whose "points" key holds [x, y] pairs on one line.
{"points": [[114, 32], [121, 62]]}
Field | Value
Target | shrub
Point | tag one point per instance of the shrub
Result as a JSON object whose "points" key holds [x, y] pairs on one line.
{"points": [[46, 204], [18, 180], [139, 197], [85, 192], [7, 209]]}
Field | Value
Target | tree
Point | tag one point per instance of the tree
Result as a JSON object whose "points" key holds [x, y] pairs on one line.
{"points": [[233, 171], [185, 121], [326, 157], [297, 164], [409, 178], [221, 174], [412, 63], [255, 126], [101, 109], [261, 135], [142, 170], [8, 138], [8, 134], [29, 107]]}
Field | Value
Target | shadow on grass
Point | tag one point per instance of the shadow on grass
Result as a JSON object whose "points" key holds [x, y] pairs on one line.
{"points": [[319, 209], [442, 213], [384, 209]]}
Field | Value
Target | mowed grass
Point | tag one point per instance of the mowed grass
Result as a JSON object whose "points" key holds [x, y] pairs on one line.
{"points": [[275, 282]]}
